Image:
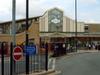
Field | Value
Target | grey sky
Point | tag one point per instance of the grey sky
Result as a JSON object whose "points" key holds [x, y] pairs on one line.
{"points": [[88, 10]]}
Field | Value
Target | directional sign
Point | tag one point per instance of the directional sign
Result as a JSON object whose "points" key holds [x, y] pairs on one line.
{"points": [[17, 53], [30, 50]]}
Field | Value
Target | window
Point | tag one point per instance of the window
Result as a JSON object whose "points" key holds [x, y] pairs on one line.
{"points": [[86, 28], [1, 30]]}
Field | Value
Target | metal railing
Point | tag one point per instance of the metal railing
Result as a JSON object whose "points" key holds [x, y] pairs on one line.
{"points": [[37, 63]]}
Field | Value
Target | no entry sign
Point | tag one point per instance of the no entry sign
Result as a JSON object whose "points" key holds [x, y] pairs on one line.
{"points": [[17, 53]]}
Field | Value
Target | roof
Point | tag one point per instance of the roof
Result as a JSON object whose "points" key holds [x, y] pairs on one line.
{"points": [[92, 23], [19, 20]]}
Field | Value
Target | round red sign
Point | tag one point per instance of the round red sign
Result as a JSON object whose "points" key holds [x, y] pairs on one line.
{"points": [[17, 53]]}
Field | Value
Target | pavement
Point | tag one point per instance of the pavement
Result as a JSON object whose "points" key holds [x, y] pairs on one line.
{"points": [[82, 51], [86, 51], [49, 72]]}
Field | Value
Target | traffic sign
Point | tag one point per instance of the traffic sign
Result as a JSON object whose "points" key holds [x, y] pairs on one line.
{"points": [[30, 50], [17, 53]]}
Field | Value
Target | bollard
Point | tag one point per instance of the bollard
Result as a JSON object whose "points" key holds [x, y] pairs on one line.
{"points": [[46, 57], [2, 58], [11, 59]]}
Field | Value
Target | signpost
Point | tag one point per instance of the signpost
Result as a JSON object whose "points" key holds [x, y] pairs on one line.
{"points": [[17, 53], [30, 50]]}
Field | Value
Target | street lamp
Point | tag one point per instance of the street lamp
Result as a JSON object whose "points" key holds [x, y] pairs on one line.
{"points": [[76, 25], [13, 36], [13, 27]]}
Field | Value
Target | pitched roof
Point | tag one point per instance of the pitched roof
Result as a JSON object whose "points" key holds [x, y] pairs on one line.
{"points": [[19, 20]]}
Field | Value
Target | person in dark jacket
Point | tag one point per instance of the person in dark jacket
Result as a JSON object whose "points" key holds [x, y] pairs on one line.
{"points": [[98, 46]]}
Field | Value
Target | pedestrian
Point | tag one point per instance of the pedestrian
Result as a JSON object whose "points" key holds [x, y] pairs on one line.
{"points": [[68, 48], [89, 46], [99, 47]]}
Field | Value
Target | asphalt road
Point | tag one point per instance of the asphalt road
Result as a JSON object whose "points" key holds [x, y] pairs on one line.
{"points": [[80, 64]]}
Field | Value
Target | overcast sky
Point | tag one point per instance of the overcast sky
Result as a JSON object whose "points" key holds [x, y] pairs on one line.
{"points": [[88, 10]]}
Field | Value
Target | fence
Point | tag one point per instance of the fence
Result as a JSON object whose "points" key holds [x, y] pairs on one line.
{"points": [[8, 66]]}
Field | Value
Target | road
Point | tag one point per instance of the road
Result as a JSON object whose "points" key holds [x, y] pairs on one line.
{"points": [[79, 64]]}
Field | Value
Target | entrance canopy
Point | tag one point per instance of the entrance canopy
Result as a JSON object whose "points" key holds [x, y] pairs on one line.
{"points": [[55, 34]]}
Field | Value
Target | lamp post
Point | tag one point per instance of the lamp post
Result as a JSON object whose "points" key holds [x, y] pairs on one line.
{"points": [[27, 56], [13, 36], [76, 25], [13, 32]]}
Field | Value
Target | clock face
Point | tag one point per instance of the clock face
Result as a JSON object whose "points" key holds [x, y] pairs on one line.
{"points": [[55, 19]]}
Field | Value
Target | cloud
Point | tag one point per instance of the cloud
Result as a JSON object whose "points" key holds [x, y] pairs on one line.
{"points": [[88, 1], [89, 16], [38, 7]]}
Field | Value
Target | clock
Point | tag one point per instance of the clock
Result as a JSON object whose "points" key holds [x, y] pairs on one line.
{"points": [[55, 20]]}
